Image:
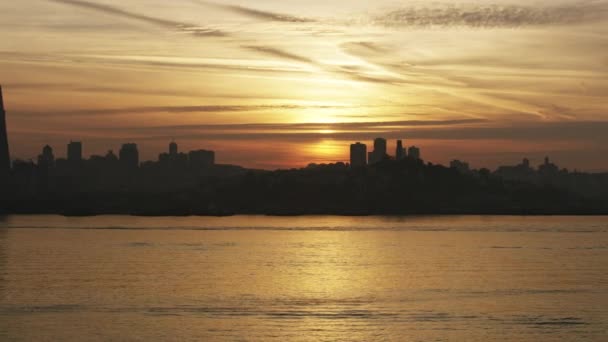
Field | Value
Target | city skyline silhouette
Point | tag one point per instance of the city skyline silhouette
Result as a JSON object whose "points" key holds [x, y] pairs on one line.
{"points": [[480, 82], [373, 181], [378, 153], [129, 153], [312, 170]]}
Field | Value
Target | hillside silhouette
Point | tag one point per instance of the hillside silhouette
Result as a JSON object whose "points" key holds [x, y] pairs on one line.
{"points": [[389, 187]]}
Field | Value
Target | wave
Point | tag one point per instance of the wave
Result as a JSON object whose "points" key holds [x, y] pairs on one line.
{"points": [[298, 312]]}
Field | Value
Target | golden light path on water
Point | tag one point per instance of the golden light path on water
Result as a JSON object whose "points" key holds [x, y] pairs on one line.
{"points": [[307, 278]]}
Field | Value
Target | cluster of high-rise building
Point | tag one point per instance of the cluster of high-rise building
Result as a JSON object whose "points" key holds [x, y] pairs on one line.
{"points": [[128, 157], [198, 158], [74, 155], [359, 156], [525, 172]]}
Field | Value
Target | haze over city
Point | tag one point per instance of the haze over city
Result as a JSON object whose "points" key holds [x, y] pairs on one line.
{"points": [[275, 84]]}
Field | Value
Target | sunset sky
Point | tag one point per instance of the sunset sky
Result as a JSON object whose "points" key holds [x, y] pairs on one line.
{"points": [[281, 83]]}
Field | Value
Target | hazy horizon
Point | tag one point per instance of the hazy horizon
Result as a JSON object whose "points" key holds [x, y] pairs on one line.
{"points": [[276, 84]]}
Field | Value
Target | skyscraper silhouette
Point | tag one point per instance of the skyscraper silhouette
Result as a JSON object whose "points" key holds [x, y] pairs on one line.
{"points": [[47, 158], [400, 152], [173, 148], [358, 155], [379, 152], [129, 156], [75, 151], [5, 160], [414, 152]]}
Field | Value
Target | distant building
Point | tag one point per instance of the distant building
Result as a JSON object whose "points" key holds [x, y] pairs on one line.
{"points": [[47, 158], [129, 156], [414, 152], [521, 172], [111, 157], [103, 163], [173, 148], [201, 158], [173, 158], [5, 159], [548, 168], [358, 155], [75, 152], [400, 152], [379, 153], [462, 167], [380, 146]]}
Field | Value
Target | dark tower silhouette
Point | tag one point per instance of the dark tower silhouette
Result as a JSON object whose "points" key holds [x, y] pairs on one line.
{"points": [[379, 153], [380, 146], [75, 152], [173, 148], [400, 152], [358, 155], [129, 156], [414, 152], [47, 158], [5, 159]]}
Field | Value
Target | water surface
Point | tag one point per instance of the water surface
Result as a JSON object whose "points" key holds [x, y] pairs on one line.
{"points": [[257, 278]]}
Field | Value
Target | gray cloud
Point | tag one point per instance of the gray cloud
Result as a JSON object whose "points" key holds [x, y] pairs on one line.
{"points": [[592, 132], [166, 23], [196, 65], [276, 52], [369, 46], [304, 127], [489, 16], [146, 62], [170, 110], [344, 71], [259, 14], [49, 86]]}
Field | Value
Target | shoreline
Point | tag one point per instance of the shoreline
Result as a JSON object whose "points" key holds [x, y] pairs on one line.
{"points": [[513, 214]]}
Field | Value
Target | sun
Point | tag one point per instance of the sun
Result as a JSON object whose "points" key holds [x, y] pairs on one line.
{"points": [[326, 151]]}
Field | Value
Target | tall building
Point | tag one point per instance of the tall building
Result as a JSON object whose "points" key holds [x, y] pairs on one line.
{"points": [[414, 152], [380, 146], [5, 159], [47, 158], [173, 158], [129, 156], [379, 153], [173, 148], [75, 151], [400, 153], [358, 155]]}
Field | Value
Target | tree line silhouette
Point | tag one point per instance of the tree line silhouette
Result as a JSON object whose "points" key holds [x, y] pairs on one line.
{"points": [[388, 187]]}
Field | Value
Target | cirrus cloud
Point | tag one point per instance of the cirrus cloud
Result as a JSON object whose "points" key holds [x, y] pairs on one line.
{"points": [[492, 16]]}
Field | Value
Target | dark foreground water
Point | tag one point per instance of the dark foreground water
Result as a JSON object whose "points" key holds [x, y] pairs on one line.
{"points": [[304, 278]]}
